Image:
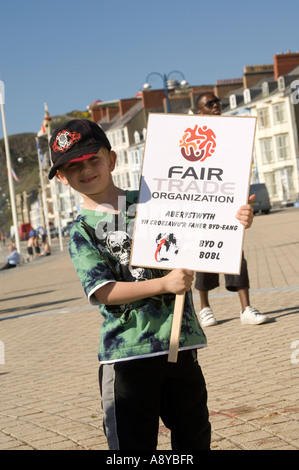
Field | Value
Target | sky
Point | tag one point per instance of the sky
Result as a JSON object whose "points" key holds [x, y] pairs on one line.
{"points": [[69, 53]]}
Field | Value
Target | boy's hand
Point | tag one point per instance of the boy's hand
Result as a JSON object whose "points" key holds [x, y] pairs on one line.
{"points": [[245, 213], [178, 281]]}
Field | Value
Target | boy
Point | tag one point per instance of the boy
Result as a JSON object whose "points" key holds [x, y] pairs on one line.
{"points": [[138, 384]]}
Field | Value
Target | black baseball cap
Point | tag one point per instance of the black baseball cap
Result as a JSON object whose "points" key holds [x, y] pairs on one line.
{"points": [[76, 140]]}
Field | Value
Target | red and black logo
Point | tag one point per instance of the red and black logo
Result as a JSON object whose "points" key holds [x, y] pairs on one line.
{"points": [[198, 144]]}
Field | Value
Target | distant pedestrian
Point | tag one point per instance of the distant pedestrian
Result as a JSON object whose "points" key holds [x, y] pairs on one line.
{"points": [[30, 245], [36, 245], [3, 239], [43, 234], [46, 249], [13, 258]]}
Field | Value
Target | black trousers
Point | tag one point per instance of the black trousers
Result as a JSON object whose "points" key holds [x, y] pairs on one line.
{"points": [[233, 282], [137, 392], [8, 266]]}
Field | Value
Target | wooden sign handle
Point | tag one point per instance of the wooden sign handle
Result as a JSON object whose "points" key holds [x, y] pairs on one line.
{"points": [[176, 327]]}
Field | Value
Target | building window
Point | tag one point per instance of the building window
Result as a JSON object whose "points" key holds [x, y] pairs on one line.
{"points": [[114, 177], [119, 159], [118, 137], [271, 184], [111, 138], [122, 180], [122, 158], [265, 89], [135, 157], [128, 180], [281, 84], [233, 101], [267, 150], [279, 113], [263, 118], [136, 137], [247, 96], [282, 146], [290, 177]]}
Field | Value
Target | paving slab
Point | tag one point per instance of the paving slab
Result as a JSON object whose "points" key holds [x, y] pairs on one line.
{"points": [[49, 337]]}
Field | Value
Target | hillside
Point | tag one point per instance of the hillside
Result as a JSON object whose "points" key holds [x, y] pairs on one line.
{"points": [[21, 146], [24, 160]]}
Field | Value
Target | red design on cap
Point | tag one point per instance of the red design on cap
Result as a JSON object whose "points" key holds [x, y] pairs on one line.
{"points": [[64, 140]]}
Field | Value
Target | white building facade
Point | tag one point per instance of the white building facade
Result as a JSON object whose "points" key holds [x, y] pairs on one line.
{"points": [[276, 154]]}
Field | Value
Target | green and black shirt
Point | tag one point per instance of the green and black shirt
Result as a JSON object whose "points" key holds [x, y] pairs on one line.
{"points": [[100, 245]]}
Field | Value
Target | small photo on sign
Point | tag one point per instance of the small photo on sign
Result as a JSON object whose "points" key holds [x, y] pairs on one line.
{"points": [[167, 247]]}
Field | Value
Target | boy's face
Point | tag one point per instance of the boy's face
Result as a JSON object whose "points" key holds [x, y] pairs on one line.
{"points": [[90, 176]]}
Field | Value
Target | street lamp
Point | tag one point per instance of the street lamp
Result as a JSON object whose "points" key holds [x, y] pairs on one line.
{"points": [[169, 83]]}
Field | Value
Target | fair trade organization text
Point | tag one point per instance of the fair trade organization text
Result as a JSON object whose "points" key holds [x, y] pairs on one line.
{"points": [[182, 184]]}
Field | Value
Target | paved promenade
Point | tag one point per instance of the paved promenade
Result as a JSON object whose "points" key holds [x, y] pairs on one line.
{"points": [[48, 353]]}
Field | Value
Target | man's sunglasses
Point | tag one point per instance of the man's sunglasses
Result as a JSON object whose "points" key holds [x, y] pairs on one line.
{"points": [[210, 104]]}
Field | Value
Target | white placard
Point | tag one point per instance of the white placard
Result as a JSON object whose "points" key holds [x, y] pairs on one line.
{"points": [[195, 176]]}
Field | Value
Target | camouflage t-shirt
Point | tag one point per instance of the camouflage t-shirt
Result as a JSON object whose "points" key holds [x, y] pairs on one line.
{"points": [[100, 245]]}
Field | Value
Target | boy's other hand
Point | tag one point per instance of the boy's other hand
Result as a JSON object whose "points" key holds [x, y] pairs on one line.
{"points": [[245, 213]]}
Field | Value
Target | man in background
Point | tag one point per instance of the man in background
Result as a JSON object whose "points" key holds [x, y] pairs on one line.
{"points": [[208, 104], [12, 259]]}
